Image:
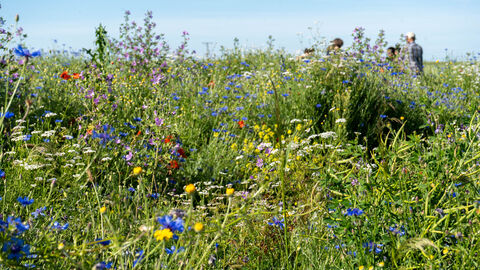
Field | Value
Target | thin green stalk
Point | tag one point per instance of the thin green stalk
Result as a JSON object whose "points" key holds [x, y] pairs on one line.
{"points": [[282, 173]]}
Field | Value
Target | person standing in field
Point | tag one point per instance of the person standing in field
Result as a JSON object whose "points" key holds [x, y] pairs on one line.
{"points": [[391, 53], [307, 53], [415, 54], [335, 45]]}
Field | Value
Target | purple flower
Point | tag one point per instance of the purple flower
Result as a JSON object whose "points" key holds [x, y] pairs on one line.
{"points": [[39, 212], [129, 156], [158, 121], [354, 181], [259, 162], [276, 222]]}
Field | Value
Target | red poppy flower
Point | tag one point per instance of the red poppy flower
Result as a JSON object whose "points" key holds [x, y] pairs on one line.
{"points": [[241, 124], [65, 75], [174, 164], [211, 84], [167, 140], [76, 75], [181, 152]]}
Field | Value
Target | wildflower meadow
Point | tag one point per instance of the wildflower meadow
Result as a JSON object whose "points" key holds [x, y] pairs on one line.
{"points": [[136, 154]]}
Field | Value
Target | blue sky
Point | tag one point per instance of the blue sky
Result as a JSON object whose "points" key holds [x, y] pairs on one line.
{"points": [[439, 25]]}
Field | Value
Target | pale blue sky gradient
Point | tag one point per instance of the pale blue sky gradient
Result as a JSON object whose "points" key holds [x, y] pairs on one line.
{"points": [[452, 24]]}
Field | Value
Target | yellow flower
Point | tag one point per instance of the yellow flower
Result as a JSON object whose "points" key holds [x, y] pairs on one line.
{"points": [[402, 118], [370, 268], [230, 191], [361, 267], [198, 227], [137, 170], [445, 251], [164, 234], [381, 264], [61, 246], [103, 209], [190, 188]]}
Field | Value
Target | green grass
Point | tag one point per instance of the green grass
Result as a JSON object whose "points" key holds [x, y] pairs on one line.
{"points": [[338, 163]]}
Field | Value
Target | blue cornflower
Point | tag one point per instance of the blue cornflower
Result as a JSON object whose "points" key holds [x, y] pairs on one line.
{"points": [[58, 226], [173, 249], [16, 248], [139, 258], [131, 189], [23, 52], [17, 222], [8, 115], [138, 119], [25, 201], [104, 242], [373, 247], [105, 136], [383, 116], [154, 196], [168, 222], [270, 92], [277, 222], [354, 212], [398, 231], [39, 212], [3, 225], [130, 125], [2, 174], [103, 265]]}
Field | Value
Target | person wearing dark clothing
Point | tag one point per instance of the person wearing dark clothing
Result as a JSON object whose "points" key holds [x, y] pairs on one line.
{"points": [[415, 54]]}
